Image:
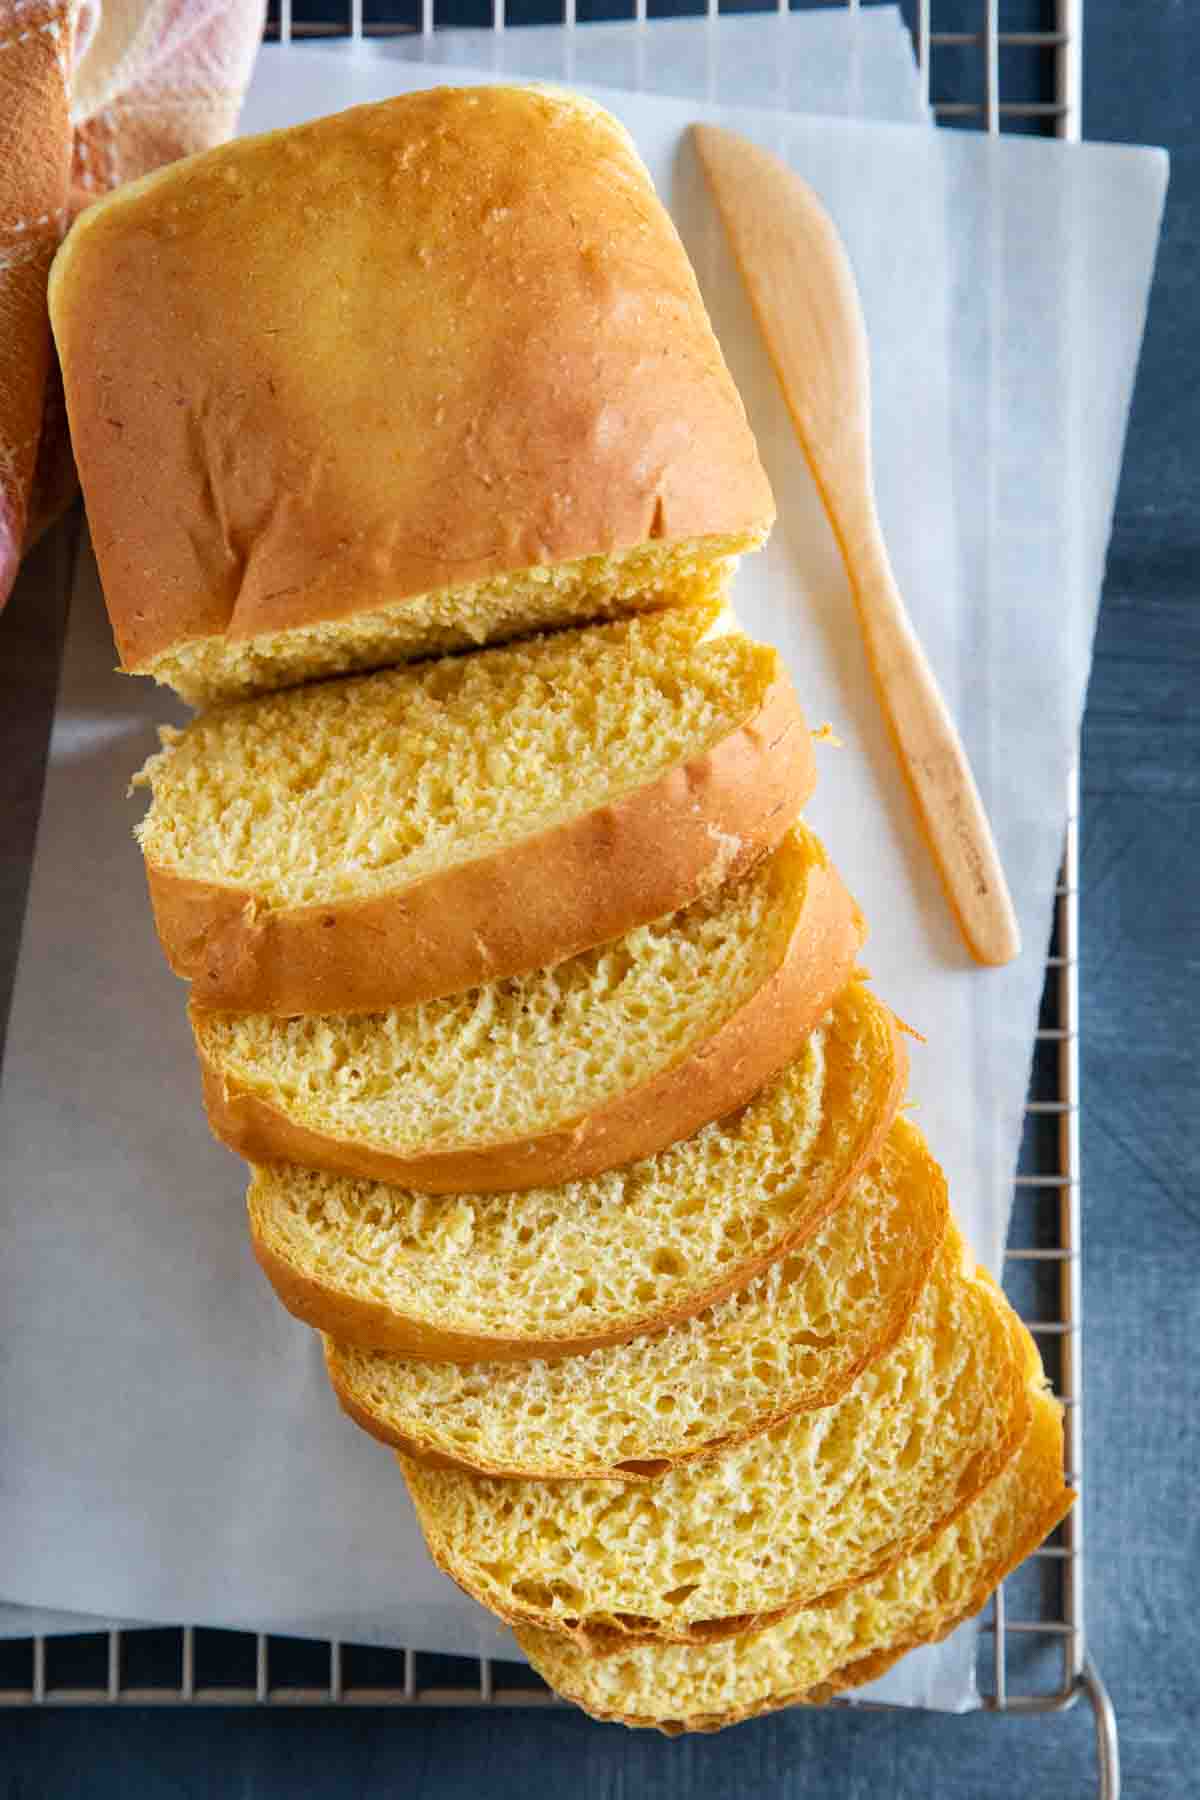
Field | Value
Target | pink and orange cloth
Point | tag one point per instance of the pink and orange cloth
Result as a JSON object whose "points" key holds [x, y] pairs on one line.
{"points": [[92, 93]]}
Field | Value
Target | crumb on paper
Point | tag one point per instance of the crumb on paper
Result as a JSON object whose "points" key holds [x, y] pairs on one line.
{"points": [[910, 1030]]}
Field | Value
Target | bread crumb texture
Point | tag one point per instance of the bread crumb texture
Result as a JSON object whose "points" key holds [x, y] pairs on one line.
{"points": [[213, 670], [611, 1252], [821, 1650], [792, 1340], [824, 1500], [515, 1059], [364, 786]]}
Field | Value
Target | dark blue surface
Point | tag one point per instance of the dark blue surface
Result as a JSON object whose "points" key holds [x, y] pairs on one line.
{"points": [[1141, 1001]]}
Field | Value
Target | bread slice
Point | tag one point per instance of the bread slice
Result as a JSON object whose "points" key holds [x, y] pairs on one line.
{"points": [[556, 1270], [416, 377], [395, 838], [794, 1340], [553, 1076], [818, 1504], [822, 1650]]}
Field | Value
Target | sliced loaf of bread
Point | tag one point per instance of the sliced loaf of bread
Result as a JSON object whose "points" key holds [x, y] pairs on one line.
{"points": [[554, 1270], [393, 838], [557, 1075], [818, 1504], [822, 1650], [794, 1340]]}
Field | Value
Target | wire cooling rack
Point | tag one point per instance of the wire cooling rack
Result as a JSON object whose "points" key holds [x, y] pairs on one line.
{"points": [[1033, 1655]]}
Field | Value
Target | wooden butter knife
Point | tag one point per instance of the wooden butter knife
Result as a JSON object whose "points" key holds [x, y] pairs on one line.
{"points": [[803, 295]]}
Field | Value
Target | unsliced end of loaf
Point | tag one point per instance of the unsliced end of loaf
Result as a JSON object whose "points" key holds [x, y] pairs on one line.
{"points": [[355, 391]]}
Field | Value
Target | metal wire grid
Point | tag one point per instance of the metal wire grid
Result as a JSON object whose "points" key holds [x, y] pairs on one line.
{"points": [[1060, 47], [1034, 1648]]}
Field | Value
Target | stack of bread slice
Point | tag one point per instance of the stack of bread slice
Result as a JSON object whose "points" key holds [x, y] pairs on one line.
{"points": [[575, 1127]]}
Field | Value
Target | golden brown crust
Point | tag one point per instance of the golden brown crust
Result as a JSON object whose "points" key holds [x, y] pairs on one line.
{"points": [[375, 1326], [583, 882], [394, 1440], [926, 1223], [363, 359], [1053, 1501], [714, 1078], [607, 1639]]}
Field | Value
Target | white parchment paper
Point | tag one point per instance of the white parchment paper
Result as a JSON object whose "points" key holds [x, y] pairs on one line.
{"points": [[170, 1449]]}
